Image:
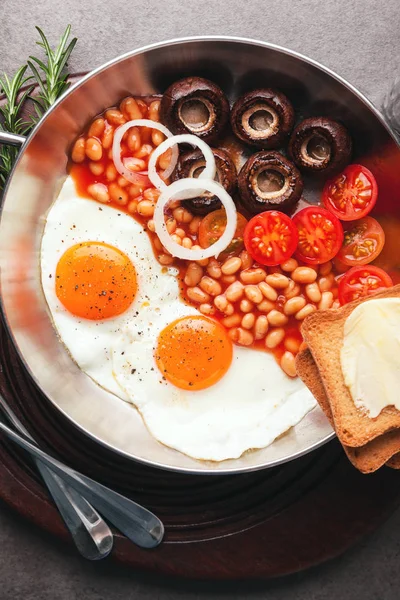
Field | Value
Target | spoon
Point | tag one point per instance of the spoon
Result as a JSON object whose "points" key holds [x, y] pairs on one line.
{"points": [[137, 523]]}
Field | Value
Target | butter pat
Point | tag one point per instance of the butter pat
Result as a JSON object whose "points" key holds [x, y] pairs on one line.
{"points": [[370, 355]]}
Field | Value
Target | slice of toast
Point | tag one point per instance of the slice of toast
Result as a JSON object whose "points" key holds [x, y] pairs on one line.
{"points": [[323, 333], [394, 462], [367, 458]]}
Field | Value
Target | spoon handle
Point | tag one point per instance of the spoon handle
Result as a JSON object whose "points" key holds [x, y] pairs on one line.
{"points": [[138, 524], [90, 533]]}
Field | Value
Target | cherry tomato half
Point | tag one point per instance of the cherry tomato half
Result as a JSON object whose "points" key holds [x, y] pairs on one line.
{"points": [[270, 237], [352, 194], [212, 226], [360, 282], [363, 242], [320, 235]]}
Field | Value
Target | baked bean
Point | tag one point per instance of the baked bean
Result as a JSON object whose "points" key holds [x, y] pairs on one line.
{"points": [[158, 245], [253, 275], [235, 291], [265, 306], [204, 261], [134, 164], [325, 269], [110, 154], [165, 259], [232, 321], [214, 269], [154, 110], [288, 364], [78, 153], [248, 321], [93, 149], [194, 225], [276, 318], [118, 194], [130, 108], [157, 137], [144, 151], [187, 242], [313, 292], [115, 117], [325, 283], [108, 136], [170, 225], [207, 309], [292, 344], [268, 291], [96, 168], [164, 160], [181, 232], [111, 172], [177, 239], [231, 265], [198, 295], [336, 304], [210, 286], [229, 310], [292, 290], [246, 306], [97, 128], [277, 281], [241, 336], [305, 311], [304, 275], [289, 265], [293, 305], [99, 192], [133, 139], [253, 293], [274, 337], [135, 191], [132, 208], [151, 226], [228, 279], [221, 302], [151, 194], [142, 106], [261, 327], [122, 182], [194, 273], [326, 300], [181, 215], [246, 259]]}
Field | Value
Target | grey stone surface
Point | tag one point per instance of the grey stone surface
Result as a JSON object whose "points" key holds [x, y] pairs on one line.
{"points": [[357, 38]]}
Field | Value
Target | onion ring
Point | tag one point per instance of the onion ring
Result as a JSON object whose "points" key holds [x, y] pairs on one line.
{"points": [[185, 138], [139, 178], [187, 184]]}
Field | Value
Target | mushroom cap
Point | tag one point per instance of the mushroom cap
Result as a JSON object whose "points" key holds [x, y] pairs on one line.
{"points": [[320, 144], [195, 105], [269, 181]]}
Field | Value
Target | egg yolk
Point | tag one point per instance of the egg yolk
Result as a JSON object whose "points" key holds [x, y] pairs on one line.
{"points": [[193, 353], [95, 281]]}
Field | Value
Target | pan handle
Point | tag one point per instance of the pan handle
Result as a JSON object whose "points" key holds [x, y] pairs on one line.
{"points": [[11, 139]]}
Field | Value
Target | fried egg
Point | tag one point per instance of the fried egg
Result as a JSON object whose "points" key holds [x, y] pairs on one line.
{"points": [[120, 315]]}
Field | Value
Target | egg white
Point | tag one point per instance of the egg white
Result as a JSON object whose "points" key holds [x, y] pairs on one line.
{"points": [[249, 407], [71, 220], [253, 404]]}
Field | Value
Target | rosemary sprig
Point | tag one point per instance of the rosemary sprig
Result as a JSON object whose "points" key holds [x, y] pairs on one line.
{"points": [[51, 77], [10, 114]]}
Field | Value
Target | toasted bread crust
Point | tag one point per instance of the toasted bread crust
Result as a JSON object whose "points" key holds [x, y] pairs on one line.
{"points": [[367, 458], [323, 333]]}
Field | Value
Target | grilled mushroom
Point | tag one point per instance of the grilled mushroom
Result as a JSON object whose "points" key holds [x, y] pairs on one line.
{"points": [[319, 144], [269, 181], [192, 164], [195, 105], [262, 118]]}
